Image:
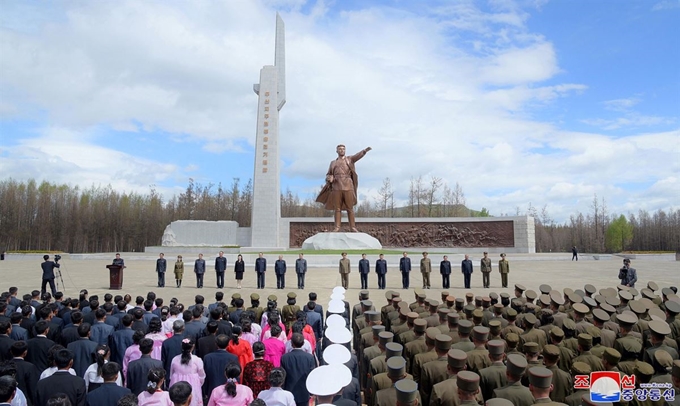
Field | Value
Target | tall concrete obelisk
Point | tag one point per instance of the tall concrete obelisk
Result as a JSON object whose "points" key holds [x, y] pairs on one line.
{"points": [[271, 90]]}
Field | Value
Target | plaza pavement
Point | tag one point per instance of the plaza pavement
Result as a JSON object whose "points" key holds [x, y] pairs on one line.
{"points": [[531, 270]]}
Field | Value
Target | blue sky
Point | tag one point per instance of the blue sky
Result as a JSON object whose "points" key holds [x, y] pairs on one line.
{"points": [[520, 102]]}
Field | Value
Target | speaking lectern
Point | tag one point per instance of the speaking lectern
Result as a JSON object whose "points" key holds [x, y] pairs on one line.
{"points": [[115, 276]]}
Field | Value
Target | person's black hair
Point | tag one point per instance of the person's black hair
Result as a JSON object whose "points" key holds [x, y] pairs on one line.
{"points": [[50, 353], [275, 330], [58, 399], [83, 295], [155, 376], [222, 341], [4, 326], [246, 326], [311, 305], [62, 358], [126, 320], [44, 313], [312, 296], [238, 302], [258, 402], [219, 296], [8, 387], [108, 297], [139, 300], [18, 348], [145, 346], [151, 296], [277, 377], [94, 303], [235, 332], [271, 306], [197, 312], [301, 316], [232, 372], [138, 313], [298, 340], [121, 305], [258, 348], [148, 305], [187, 347], [130, 400], [46, 257], [99, 357], [216, 313], [41, 327], [8, 368], [155, 325], [26, 310], [199, 299], [187, 316], [137, 336], [100, 313], [84, 330], [211, 326], [179, 392], [108, 307], [158, 302], [110, 370]]}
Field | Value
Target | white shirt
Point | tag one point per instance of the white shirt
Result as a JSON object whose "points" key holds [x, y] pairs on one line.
{"points": [[51, 370], [91, 376], [277, 397], [19, 399], [306, 347]]}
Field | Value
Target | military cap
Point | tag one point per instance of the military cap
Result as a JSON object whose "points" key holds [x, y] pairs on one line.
{"points": [[412, 315], [385, 337], [648, 293], [419, 325], [590, 289], [676, 369], [445, 294], [637, 307], [396, 367], [652, 286], [478, 314], [480, 333], [317, 382], [467, 381], [520, 288], [338, 335], [335, 320], [633, 292], [433, 304], [404, 311], [363, 294], [529, 307], [395, 294], [456, 359], [659, 327], [452, 318], [498, 306], [613, 301], [254, 296], [644, 369], [540, 377], [608, 308], [511, 313], [625, 295], [377, 329], [468, 309], [430, 334], [486, 299], [393, 349], [568, 291], [336, 354], [530, 294], [469, 295], [590, 302], [496, 347], [556, 332], [672, 307], [531, 348], [443, 342], [397, 300], [626, 319], [505, 295], [339, 289], [600, 315], [236, 296], [654, 317], [609, 292], [366, 304], [544, 299], [568, 324], [426, 301], [600, 299], [418, 291], [373, 316], [551, 351], [580, 308], [631, 347], [530, 318], [667, 291], [388, 295], [580, 368], [478, 300], [443, 312], [546, 312], [407, 390], [516, 364], [545, 289], [464, 326], [460, 301], [585, 340], [450, 300], [621, 287], [422, 296], [272, 298], [575, 298], [512, 338], [493, 296], [292, 295], [580, 292], [657, 312], [611, 355], [594, 332], [494, 326], [663, 359], [498, 402]]}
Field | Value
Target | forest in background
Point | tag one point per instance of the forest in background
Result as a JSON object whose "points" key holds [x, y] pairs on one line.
{"points": [[47, 216]]}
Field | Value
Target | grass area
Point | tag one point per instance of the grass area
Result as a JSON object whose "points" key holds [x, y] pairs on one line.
{"points": [[337, 252]]}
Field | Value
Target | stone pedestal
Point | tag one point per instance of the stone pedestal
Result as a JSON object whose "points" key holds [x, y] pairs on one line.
{"points": [[341, 241]]}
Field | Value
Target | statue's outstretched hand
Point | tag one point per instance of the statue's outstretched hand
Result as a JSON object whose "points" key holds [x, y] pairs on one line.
{"points": [[368, 149]]}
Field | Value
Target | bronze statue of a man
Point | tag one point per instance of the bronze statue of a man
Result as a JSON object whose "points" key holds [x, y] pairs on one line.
{"points": [[340, 191]]}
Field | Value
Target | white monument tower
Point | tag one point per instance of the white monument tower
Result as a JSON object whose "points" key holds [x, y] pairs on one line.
{"points": [[271, 90]]}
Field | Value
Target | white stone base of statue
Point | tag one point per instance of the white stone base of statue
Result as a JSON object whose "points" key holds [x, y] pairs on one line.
{"points": [[341, 241]]}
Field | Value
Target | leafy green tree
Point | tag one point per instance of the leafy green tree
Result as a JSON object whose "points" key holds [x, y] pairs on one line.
{"points": [[619, 234]]}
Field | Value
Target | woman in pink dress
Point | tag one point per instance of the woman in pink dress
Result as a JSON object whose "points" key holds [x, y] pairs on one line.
{"points": [[274, 320], [154, 395], [240, 348], [274, 348], [132, 353], [232, 393], [156, 334], [189, 368], [247, 334]]}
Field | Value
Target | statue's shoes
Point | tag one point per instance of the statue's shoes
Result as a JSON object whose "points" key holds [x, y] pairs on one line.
{"points": [[354, 230], [336, 230]]}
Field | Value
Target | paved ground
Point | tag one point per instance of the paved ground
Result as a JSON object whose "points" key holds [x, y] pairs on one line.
{"points": [[530, 271]]}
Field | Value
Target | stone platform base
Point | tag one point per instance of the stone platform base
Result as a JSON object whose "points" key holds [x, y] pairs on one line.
{"points": [[341, 241]]}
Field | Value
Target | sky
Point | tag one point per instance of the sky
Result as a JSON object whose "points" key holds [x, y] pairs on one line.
{"points": [[526, 102]]}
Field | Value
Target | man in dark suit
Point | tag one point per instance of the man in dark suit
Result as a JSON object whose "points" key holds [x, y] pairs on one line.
{"points": [[48, 274], [8, 389], [27, 374], [5, 341], [120, 340], [138, 370], [82, 350], [445, 271], [138, 321], [108, 393], [39, 346], [18, 332], [62, 382], [466, 269], [215, 363], [405, 269], [100, 331], [297, 364], [206, 345], [364, 270], [161, 265], [194, 328], [260, 269], [172, 347], [70, 333], [220, 267], [381, 271]]}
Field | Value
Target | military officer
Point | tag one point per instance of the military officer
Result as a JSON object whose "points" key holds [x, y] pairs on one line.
{"points": [[493, 376], [585, 343], [445, 393], [658, 331], [504, 270], [578, 368], [369, 353], [396, 371], [434, 371], [485, 265], [626, 322], [607, 337], [345, 269], [424, 357], [468, 387], [426, 270], [289, 311], [540, 385], [478, 358], [561, 380], [514, 391], [532, 334], [383, 380], [417, 345], [452, 320], [407, 393]]}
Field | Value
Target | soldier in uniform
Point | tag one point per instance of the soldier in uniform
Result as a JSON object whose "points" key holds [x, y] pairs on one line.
{"points": [[478, 358], [658, 331], [511, 316], [416, 345], [369, 353], [396, 371], [512, 341], [359, 308], [580, 312], [426, 270], [540, 385], [514, 391], [585, 343], [464, 330], [504, 270], [345, 270], [519, 292], [607, 337], [388, 307], [561, 380], [433, 319], [255, 307], [405, 323], [424, 357], [493, 376], [383, 380], [407, 393], [626, 322], [289, 311], [445, 393], [485, 265], [532, 334], [408, 335], [434, 371], [452, 322], [531, 354], [443, 322], [578, 368], [468, 387]]}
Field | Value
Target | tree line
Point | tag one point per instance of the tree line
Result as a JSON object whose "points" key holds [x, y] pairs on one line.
{"points": [[47, 216]]}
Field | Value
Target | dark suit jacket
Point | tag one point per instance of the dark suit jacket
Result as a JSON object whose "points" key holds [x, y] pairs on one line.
{"points": [[82, 354], [194, 329], [138, 371], [62, 382], [100, 332], [405, 264], [69, 335], [119, 341], [214, 364], [107, 394], [261, 265], [38, 348], [205, 346], [27, 378], [381, 267], [141, 326], [171, 348], [298, 364], [18, 333], [5, 345]]}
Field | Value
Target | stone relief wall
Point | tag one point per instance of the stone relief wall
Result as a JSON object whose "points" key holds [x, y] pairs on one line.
{"points": [[423, 234]]}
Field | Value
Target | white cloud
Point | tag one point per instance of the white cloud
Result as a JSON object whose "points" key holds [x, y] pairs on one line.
{"points": [[666, 5], [621, 104]]}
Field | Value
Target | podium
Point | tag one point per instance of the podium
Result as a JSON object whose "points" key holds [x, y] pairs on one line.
{"points": [[115, 277]]}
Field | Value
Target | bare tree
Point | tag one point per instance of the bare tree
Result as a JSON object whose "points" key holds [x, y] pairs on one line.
{"points": [[431, 193], [459, 208], [385, 197]]}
